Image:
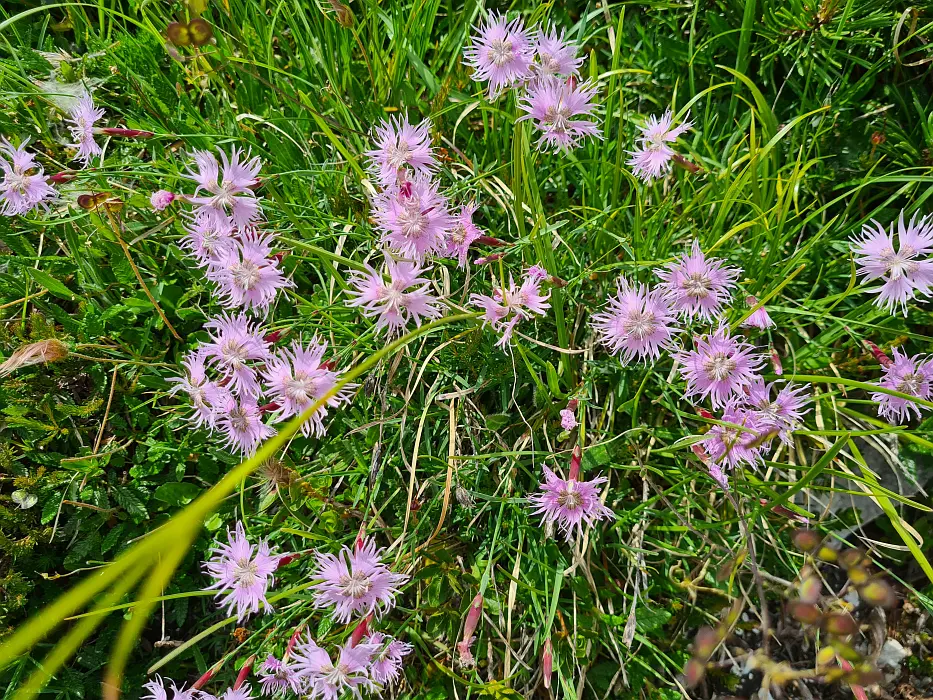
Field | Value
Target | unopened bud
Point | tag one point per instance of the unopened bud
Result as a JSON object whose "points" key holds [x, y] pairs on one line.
{"points": [[244, 672], [125, 133], [488, 259], [63, 177], [490, 241], [203, 680], [706, 414], [547, 663], [776, 362], [360, 631], [293, 640], [575, 459], [287, 559], [269, 407], [273, 337], [883, 359]]}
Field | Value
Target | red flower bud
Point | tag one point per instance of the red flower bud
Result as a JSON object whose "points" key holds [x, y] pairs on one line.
{"points": [[883, 359], [547, 663], [706, 414], [575, 459], [490, 241], [126, 133], [269, 407], [287, 559], [488, 259], [273, 337], [361, 630], [244, 672], [63, 177], [293, 640], [776, 362], [469, 627]]}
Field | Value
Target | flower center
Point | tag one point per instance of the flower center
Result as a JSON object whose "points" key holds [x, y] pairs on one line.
{"points": [[239, 420], [17, 181], [356, 585], [501, 52], [245, 573], [398, 155], [570, 498], [412, 221], [900, 264], [910, 384], [234, 352], [300, 388], [245, 274], [697, 285], [718, 366], [458, 235], [549, 64], [640, 324], [558, 117]]}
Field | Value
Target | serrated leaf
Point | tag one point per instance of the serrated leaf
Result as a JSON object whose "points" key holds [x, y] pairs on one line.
{"points": [[131, 501]]}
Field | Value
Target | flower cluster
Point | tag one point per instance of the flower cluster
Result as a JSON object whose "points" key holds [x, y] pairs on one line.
{"points": [[544, 65], [25, 185]]}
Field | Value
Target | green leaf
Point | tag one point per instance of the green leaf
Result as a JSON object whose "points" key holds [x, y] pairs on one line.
{"points": [[131, 501], [46, 281], [177, 493]]}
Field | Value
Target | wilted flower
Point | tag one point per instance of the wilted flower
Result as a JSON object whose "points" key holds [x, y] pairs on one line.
{"points": [[209, 239], [228, 196], [537, 272], [414, 218], [473, 616], [326, 679], [904, 275], [782, 415], [242, 573], [719, 367], [247, 274], [241, 421], [38, 353], [637, 322], [355, 582], [233, 343], [201, 391], [386, 663], [21, 192], [81, 120], [908, 375], [729, 446], [759, 318], [554, 56], [568, 420], [570, 503], [697, 285], [553, 105], [405, 297], [462, 234], [279, 678], [652, 157], [547, 663], [161, 199], [506, 308], [400, 145], [297, 377], [501, 53]]}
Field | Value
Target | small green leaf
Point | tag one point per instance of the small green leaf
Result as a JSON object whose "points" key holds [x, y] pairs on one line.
{"points": [[46, 281], [177, 493]]}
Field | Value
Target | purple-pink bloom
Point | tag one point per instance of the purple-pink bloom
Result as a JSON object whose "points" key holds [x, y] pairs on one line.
{"points": [[21, 192], [234, 341], [507, 307], [241, 693], [569, 503], [242, 573], [208, 239], [81, 120], [462, 234], [536, 272], [241, 421], [161, 199], [247, 274], [782, 414], [652, 156], [414, 218], [554, 55], [719, 367], [400, 145], [295, 378], [405, 297], [908, 375], [727, 445], [157, 691], [386, 663], [227, 194], [328, 680], [202, 392], [904, 274], [697, 285], [759, 318], [355, 582], [637, 322], [501, 53], [568, 419], [279, 678], [553, 105]]}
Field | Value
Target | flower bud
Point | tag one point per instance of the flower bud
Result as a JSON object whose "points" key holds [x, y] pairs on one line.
{"points": [[125, 133], [63, 177], [575, 459], [50, 350], [361, 630], [547, 663], [244, 672]]}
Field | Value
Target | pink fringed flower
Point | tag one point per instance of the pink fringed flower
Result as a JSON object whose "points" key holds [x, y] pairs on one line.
{"points": [[241, 421], [759, 318], [209, 239], [697, 285], [506, 308], [161, 199], [904, 274], [637, 322], [908, 375], [652, 157], [386, 664], [462, 234], [720, 366], [233, 343], [501, 53], [405, 297], [21, 192], [553, 105], [328, 680], [81, 120], [536, 272], [400, 145], [414, 218], [568, 420], [727, 445], [241, 693], [202, 392], [570, 504], [227, 194], [247, 274], [157, 691], [279, 678], [554, 56], [780, 416], [355, 582], [242, 573], [296, 378]]}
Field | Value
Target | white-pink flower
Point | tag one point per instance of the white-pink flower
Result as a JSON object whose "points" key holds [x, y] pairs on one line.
{"points": [[414, 218], [242, 573], [241, 420], [20, 191], [327, 679], [652, 156], [558, 110], [226, 187], [507, 307], [501, 53], [908, 375], [719, 367], [208, 239], [554, 55], [462, 234], [400, 145], [247, 274], [570, 504], [234, 343], [637, 322], [404, 298], [81, 120], [759, 318], [697, 285]]}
